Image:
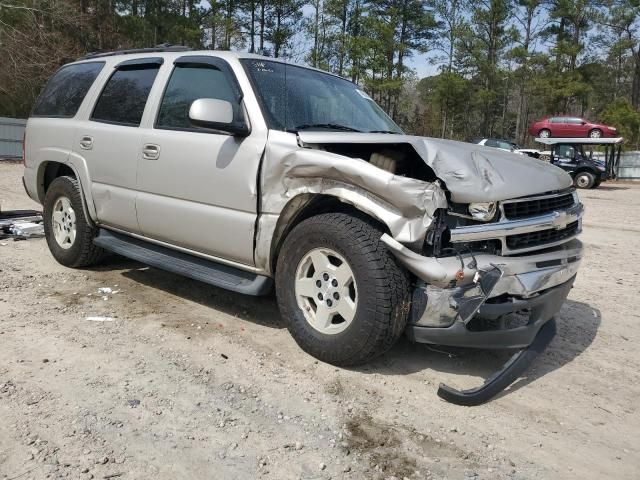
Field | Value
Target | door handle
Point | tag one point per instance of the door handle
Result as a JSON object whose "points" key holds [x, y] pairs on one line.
{"points": [[86, 142], [150, 152]]}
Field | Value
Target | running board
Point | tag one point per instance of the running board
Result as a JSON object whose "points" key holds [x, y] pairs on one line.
{"points": [[164, 258]]}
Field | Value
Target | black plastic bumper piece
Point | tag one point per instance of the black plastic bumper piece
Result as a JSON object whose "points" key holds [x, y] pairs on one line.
{"points": [[504, 377], [542, 308]]}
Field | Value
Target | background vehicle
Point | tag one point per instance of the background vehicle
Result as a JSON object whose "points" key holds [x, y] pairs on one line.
{"points": [[507, 146], [575, 156], [565, 126], [244, 171]]}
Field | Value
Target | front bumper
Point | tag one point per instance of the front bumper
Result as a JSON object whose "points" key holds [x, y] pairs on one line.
{"points": [[540, 309], [530, 290]]}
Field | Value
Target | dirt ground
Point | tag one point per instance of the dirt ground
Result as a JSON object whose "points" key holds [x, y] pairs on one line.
{"points": [[193, 382]]}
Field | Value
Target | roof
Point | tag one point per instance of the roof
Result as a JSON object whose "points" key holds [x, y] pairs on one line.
{"points": [[172, 51], [580, 140]]}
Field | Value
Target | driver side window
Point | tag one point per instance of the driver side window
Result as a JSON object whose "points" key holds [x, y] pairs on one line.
{"points": [[188, 83]]}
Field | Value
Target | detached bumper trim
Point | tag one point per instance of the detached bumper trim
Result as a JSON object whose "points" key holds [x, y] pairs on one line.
{"points": [[542, 308]]}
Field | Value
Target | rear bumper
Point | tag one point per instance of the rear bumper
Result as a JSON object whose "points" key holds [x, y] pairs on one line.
{"points": [[540, 309]]}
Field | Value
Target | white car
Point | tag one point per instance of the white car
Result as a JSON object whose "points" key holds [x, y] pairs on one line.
{"points": [[508, 146]]}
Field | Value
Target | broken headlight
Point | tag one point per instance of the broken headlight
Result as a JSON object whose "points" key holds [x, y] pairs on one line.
{"points": [[483, 211]]}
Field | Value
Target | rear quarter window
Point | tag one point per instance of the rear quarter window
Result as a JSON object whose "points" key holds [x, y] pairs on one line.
{"points": [[66, 89]]}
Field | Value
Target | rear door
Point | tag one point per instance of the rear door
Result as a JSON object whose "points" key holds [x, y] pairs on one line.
{"points": [[110, 141], [558, 127], [575, 127], [198, 187]]}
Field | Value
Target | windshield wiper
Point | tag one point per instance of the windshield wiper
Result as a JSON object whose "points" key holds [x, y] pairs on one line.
{"points": [[384, 131], [334, 126]]}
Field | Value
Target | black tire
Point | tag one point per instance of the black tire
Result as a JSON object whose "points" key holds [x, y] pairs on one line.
{"points": [[544, 133], [383, 289], [82, 251], [584, 180], [595, 133]]}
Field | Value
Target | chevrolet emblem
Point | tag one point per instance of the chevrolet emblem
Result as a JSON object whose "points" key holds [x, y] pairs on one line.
{"points": [[560, 220]]}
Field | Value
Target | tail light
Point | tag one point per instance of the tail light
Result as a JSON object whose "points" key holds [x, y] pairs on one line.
{"points": [[24, 147]]}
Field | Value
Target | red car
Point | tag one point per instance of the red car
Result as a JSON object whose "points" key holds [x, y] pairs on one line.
{"points": [[570, 127]]}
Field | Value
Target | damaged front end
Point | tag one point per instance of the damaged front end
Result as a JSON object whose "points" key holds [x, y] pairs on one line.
{"points": [[496, 285], [492, 260]]}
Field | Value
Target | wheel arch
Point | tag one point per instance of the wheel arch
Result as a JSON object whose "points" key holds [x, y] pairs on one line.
{"points": [[306, 205], [584, 168], [48, 171]]}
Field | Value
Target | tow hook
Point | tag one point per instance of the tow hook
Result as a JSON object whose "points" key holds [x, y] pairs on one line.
{"points": [[504, 377]]}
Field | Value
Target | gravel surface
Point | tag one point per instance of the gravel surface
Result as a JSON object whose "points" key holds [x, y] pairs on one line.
{"points": [[174, 379]]}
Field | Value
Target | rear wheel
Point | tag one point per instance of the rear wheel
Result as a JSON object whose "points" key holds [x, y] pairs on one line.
{"points": [[584, 180], [595, 133], [544, 133], [68, 232], [344, 298]]}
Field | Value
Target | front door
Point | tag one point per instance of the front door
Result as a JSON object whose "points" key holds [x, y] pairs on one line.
{"points": [[198, 187]]}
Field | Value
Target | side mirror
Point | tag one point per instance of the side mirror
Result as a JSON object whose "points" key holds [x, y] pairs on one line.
{"points": [[216, 114]]}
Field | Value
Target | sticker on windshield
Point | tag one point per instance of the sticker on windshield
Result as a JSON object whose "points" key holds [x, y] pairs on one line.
{"points": [[262, 67], [363, 94]]}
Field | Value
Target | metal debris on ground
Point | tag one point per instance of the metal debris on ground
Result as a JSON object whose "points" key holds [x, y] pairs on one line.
{"points": [[21, 224], [99, 319]]}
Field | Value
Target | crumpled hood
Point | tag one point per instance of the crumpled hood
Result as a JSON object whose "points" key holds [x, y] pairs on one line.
{"points": [[472, 173]]}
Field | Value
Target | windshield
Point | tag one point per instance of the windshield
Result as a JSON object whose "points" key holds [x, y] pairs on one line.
{"points": [[296, 98]]}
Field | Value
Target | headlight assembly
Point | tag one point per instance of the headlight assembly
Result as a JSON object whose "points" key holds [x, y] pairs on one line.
{"points": [[484, 211]]}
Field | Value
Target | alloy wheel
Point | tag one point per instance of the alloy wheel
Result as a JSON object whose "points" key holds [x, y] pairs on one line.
{"points": [[63, 220], [326, 290]]}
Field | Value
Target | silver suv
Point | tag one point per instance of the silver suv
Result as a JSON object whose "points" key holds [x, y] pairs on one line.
{"points": [[243, 171]]}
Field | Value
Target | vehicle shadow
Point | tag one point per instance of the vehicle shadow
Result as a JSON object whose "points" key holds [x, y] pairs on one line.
{"points": [[577, 326], [611, 187], [259, 310]]}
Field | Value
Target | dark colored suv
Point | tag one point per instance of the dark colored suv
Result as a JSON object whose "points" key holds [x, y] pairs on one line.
{"points": [[586, 172]]}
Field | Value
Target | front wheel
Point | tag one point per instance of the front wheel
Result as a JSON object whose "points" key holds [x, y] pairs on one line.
{"points": [[584, 180], [595, 133], [343, 296], [68, 232]]}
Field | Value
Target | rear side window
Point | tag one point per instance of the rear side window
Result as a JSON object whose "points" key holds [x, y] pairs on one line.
{"points": [[189, 83], [65, 91], [124, 96], [557, 120]]}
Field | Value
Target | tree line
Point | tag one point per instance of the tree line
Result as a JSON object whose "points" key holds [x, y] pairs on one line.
{"points": [[496, 65]]}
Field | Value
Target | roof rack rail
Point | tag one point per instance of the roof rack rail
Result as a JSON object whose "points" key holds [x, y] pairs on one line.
{"points": [[165, 47]]}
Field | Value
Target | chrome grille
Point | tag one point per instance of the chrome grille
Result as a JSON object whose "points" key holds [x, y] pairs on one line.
{"points": [[541, 238], [537, 206]]}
